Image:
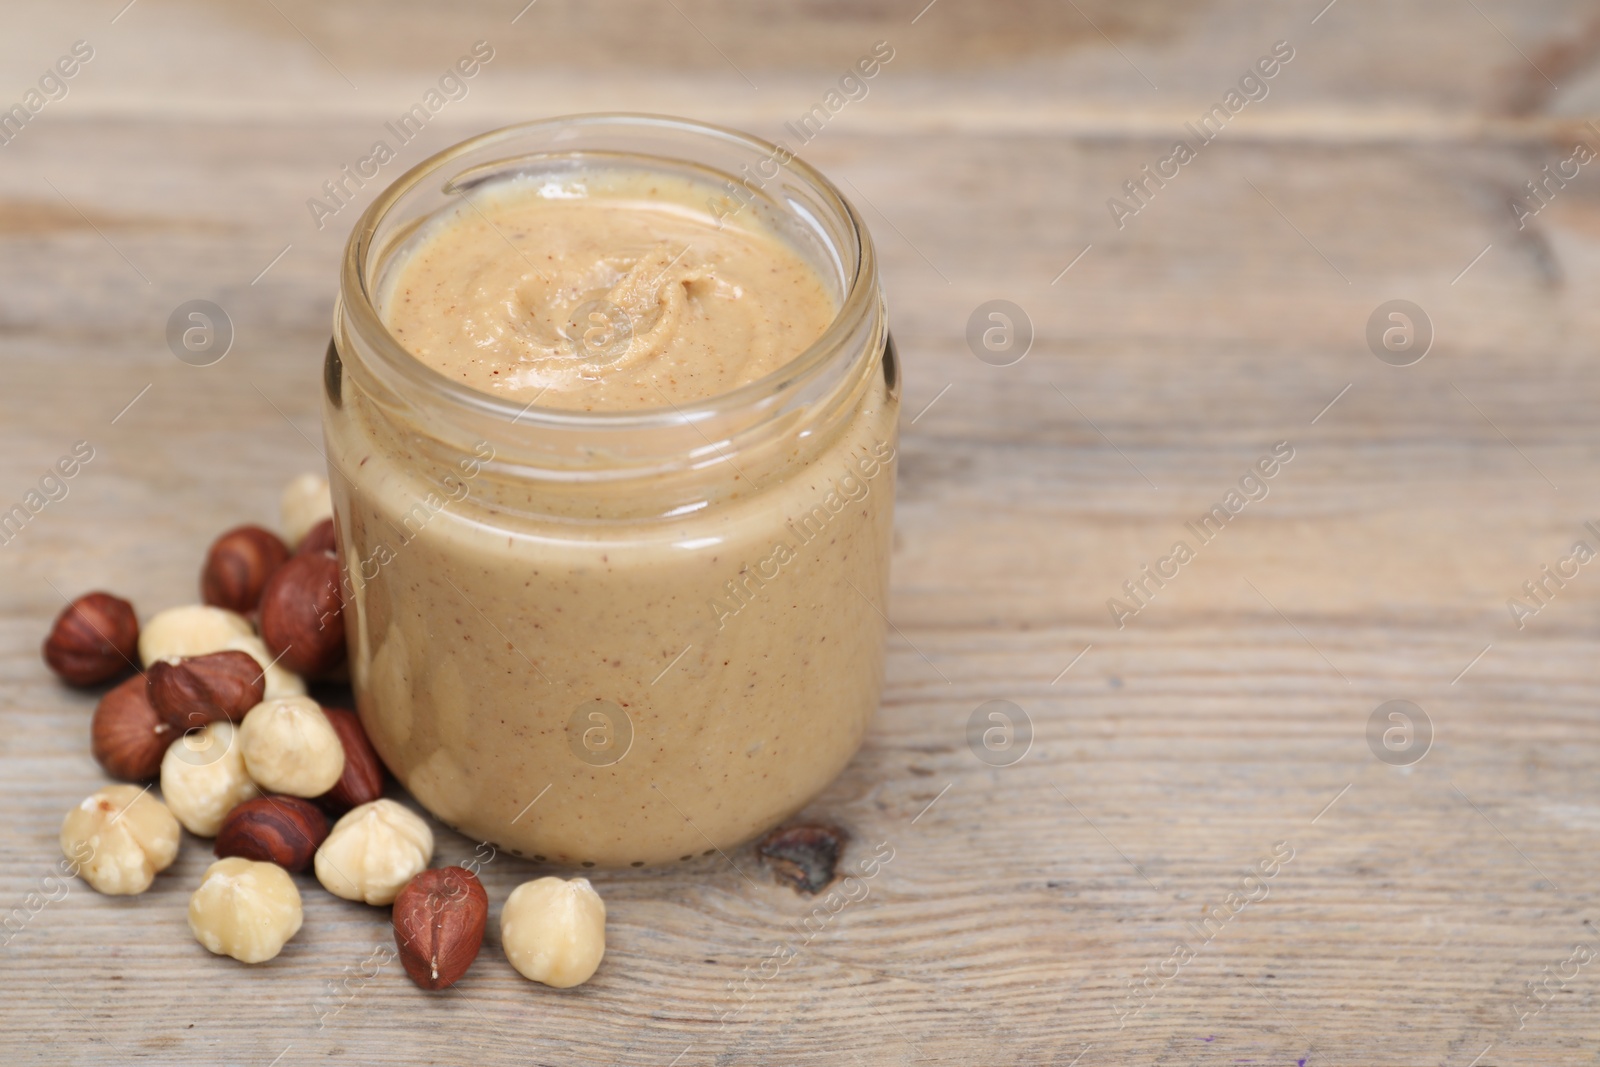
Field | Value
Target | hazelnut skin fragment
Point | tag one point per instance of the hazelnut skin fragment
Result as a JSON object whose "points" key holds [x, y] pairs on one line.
{"points": [[804, 856]]}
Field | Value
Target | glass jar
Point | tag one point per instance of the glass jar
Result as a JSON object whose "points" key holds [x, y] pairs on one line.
{"points": [[618, 637]]}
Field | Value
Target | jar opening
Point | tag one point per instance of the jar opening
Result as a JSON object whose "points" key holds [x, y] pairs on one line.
{"points": [[756, 175]]}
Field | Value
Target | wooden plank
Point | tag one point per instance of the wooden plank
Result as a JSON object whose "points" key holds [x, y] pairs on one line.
{"points": [[1168, 756]]}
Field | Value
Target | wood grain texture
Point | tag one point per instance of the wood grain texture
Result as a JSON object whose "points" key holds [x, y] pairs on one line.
{"points": [[1228, 716]]}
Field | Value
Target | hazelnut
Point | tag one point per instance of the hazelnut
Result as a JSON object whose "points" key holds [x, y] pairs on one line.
{"points": [[126, 735], [93, 640], [305, 502], [191, 630], [373, 851], [238, 566], [362, 780], [321, 538], [119, 838], [191, 692], [554, 931], [245, 909], [203, 777], [438, 925], [281, 682], [282, 830], [302, 614], [290, 747]]}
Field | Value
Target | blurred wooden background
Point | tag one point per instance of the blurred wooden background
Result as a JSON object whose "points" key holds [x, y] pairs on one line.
{"points": [[1166, 760]]}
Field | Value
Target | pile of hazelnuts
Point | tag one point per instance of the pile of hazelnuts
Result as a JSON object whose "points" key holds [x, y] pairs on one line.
{"points": [[217, 713]]}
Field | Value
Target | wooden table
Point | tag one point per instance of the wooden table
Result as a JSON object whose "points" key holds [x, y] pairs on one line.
{"points": [[1224, 723]]}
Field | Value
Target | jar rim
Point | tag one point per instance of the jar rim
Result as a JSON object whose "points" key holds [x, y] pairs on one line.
{"points": [[359, 308]]}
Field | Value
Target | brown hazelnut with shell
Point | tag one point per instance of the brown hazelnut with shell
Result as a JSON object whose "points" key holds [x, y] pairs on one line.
{"points": [[302, 614], [320, 538], [127, 736], [93, 640], [237, 568], [439, 918], [362, 779], [273, 829], [197, 690]]}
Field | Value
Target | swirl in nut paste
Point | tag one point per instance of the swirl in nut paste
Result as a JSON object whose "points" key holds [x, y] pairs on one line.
{"points": [[603, 291]]}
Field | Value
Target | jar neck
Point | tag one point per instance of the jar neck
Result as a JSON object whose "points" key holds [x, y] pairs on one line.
{"points": [[653, 462], [661, 467]]}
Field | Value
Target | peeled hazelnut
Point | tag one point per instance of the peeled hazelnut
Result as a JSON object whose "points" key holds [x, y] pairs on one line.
{"points": [[290, 747], [373, 851], [282, 830], [302, 614], [554, 931], [439, 919], [191, 630], [119, 838], [237, 568], [219, 685], [93, 640], [126, 735], [362, 780], [281, 682], [203, 777], [305, 502], [245, 909], [320, 538]]}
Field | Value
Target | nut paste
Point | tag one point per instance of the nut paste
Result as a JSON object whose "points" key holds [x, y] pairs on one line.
{"points": [[607, 673]]}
